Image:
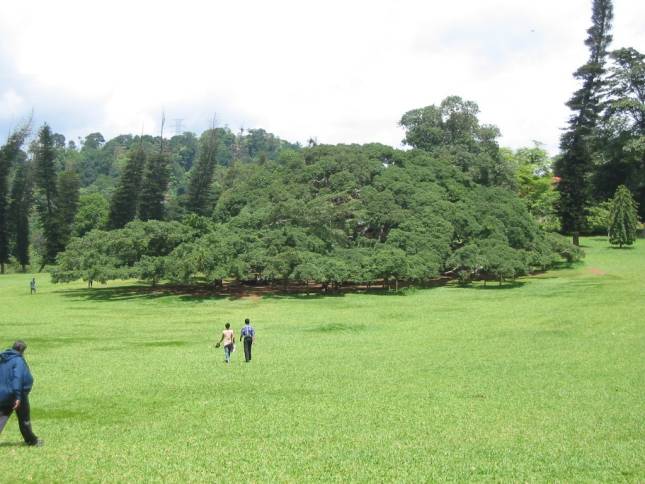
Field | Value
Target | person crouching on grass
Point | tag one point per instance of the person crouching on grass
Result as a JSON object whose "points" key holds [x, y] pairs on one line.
{"points": [[228, 338]]}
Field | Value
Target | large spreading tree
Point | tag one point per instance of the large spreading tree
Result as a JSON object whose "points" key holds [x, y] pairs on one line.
{"points": [[574, 167]]}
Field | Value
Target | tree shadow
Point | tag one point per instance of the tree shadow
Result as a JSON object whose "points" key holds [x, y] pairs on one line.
{"points": [[125, 293], [204, 292], [490, 286], [236, 291]]}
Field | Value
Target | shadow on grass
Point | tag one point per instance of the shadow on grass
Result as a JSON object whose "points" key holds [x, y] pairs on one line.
{"points": [[200, 293], [490, 285], [337, 327], [124, 293], [14, 444]]}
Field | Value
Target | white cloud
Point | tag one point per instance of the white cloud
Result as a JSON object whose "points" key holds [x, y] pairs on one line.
{"points": [[338, 70], [11, 104]]}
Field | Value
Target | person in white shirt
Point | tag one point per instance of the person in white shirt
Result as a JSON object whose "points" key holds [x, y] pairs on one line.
{"points": [[228, 339]]}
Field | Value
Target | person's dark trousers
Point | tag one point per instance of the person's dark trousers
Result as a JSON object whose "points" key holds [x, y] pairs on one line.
{"points": [[248, 342], [24, 421]]}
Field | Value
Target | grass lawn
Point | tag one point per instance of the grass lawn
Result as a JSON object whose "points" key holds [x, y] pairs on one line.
{"points": [[542, 381]]}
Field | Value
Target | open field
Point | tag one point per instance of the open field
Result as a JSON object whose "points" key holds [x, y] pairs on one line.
{"points": [[541, 381]]}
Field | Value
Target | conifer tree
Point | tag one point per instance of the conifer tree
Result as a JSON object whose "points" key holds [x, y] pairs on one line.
{"points": [[125, 201], [68, 194], [574, 166], [47, 191], [623, 218], [19, 208], [199, 189], [8, 153], [156, 177]]}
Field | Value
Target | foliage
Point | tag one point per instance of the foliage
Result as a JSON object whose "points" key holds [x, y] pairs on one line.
{"points": [[200, 196], [598, 218], [561, 246], [68, 196], [8, 154], [125, 200], [536, 184], [621, 139], [155, 181], [19, 208], [453, 131], [47, 195], [338, 215], [92, 213], [137, 250], [574, 166], [623, 218]]}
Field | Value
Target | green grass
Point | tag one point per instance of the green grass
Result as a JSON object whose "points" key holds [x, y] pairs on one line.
{"points": [[543, 381]]}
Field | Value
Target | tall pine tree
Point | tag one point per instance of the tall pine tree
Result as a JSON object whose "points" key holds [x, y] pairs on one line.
{"points": [[19, 208], [153, 190], [125, 201], [8, 153], [155, 183], [200, 195], [47, 195], [68, 193], [574, 166]]}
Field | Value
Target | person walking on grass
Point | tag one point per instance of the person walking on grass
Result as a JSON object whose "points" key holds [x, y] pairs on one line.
{"points": [[15, 384], [248, 337], [32, 285], [228, 338]]}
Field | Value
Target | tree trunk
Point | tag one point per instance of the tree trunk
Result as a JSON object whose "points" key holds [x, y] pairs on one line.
{"points": [[1, 267], [396, 285], [576, 239]]}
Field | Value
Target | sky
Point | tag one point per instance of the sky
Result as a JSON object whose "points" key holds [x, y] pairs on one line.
{"points": [[339, 71]]}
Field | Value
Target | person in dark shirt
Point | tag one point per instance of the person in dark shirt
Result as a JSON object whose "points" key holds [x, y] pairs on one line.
{"points": [[15, 384], [32, 285], [248, 337]]}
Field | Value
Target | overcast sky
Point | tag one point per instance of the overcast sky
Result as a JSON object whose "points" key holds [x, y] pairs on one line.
{"points": [[341, 71]]}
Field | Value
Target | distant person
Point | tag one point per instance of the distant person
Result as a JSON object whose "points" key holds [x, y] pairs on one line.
{"points": [[32, 285], [228, 338], [248, 337], [15, 384]]}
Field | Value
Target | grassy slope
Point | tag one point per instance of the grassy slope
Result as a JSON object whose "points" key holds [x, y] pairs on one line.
{"points": [[538, 382]]}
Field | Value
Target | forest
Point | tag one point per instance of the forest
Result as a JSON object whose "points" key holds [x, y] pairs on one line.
{"points": [[250, 207]]}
